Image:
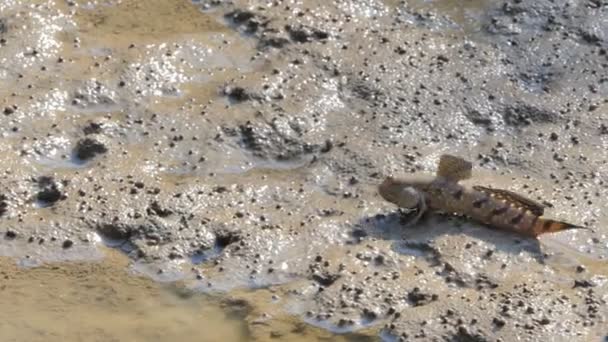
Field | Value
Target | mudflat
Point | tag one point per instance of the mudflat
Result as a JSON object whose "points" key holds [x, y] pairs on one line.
{"points": [[235, 148]]}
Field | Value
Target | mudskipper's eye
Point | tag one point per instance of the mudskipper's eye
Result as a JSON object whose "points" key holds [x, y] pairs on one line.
{"points": [[410, 191], [409, 197]]}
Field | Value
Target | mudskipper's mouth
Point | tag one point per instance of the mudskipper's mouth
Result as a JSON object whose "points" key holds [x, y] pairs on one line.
{"points": [[384, 189]]}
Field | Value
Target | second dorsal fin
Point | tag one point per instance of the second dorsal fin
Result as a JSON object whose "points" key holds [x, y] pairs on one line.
{"points": [[454, 168], [514, 198]]}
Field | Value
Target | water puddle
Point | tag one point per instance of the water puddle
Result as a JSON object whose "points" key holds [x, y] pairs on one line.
{"points": [[101, 301], [108, 300], [465, 14]]}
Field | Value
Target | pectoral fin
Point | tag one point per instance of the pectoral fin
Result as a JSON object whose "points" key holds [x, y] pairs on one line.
{"points": [[514, 198], [454, 168], [420, 208]]}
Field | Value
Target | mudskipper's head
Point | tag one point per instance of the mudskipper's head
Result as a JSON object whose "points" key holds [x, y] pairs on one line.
{"points": [[401, 192]]}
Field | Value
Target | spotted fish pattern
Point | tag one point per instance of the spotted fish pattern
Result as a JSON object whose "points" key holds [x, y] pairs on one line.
{"points": [[496, 208]]}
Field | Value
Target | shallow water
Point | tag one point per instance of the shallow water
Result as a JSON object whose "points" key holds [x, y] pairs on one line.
{"points": [[109, 300], [102, 301], [464, 15]]}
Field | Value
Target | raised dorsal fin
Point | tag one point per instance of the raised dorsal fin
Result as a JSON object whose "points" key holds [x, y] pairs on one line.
{"points": [[517, 199], [454, 168]]}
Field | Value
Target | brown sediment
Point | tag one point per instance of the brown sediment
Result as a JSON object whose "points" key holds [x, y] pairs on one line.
{"points": [[103, 301]]}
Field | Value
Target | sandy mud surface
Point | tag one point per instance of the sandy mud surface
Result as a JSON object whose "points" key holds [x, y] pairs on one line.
{"points": [[236, 147], [101, 301]]}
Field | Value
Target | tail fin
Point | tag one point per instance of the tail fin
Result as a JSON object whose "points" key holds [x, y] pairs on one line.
{"points": [[545, 225]]}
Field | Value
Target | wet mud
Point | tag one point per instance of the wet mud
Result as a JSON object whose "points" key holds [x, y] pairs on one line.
{"points": [[103, 301], [236, 147]]}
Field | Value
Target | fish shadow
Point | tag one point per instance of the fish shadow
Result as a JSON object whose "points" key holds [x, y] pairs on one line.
{"points": [[417, 239]]}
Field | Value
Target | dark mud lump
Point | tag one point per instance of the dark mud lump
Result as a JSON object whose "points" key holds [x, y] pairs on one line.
{"points": [[88, 148]]}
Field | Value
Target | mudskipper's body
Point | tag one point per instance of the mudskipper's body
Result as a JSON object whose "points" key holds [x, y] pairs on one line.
{"points": [[496, 208]]}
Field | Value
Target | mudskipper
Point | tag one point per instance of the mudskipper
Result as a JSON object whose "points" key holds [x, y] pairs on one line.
{"points": [[496, 208]]}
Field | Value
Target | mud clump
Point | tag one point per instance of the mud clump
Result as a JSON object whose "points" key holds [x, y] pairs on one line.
{"points": [[88, 148], [303, 34], [10, 234], [92, 128], [115, 231], [9, 110], [267, 141], [236, 94], [582, 283], [464, 335], [525, 115], [67, 244], [477, 118], [274, 42], [3, 205], [156, 210], [253, 24], [49, 192], [246, 21], [419, 298], [325, 279], [224, 238], [367, 91]]}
